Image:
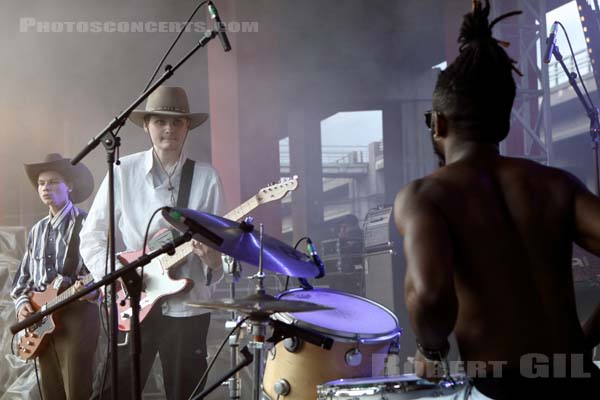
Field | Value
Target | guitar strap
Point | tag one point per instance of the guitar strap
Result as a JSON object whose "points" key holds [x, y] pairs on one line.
{"points": [[183, 199], [185, 185], [72, 256]]}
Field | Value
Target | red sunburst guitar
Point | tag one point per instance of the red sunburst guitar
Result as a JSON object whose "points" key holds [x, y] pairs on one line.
{"points": [[158, 284], [36, 337]]}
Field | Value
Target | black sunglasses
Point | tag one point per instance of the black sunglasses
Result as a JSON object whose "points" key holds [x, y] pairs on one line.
{"points": [[428, 115]]}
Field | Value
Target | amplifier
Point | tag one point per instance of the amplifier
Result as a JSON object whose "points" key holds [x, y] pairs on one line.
{"points": [[377, 229]]}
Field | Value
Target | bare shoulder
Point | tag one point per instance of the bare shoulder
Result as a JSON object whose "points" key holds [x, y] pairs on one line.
{"points": [[414, 199], [532, 168]]}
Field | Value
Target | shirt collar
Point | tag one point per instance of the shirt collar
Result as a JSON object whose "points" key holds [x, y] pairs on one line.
{"points": [[150, 162], [58, 218]]}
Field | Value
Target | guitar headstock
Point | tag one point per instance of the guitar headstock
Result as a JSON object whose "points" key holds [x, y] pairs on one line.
{"points": [[277, 191]]}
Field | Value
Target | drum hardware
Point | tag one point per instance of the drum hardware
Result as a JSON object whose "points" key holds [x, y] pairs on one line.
{"points": [[232, 267], [282, 387], [400, 387], [292, 344], [295, 336], [353, 357], [259, 324], [392, 361]]}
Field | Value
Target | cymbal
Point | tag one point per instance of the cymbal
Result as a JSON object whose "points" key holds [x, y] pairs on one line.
{"points": [[258, 304], [242, 242]]}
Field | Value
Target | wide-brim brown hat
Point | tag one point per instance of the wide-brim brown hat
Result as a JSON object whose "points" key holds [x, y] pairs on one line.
{"points": [[78, 175], [170, 101]]}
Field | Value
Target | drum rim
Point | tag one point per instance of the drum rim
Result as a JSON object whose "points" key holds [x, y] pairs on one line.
{"points": [[381, 382], [346, 336]]}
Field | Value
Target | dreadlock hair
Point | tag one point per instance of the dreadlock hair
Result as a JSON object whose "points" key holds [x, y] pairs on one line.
{"points": [[476, 92]]}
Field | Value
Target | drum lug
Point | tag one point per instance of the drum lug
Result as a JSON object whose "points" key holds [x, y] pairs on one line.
{"points": [[353, 357], [282, 387], [293, 344]]}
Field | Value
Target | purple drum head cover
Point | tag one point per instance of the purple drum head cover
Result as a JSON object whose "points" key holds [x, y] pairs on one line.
{"points": [[352, 314]]}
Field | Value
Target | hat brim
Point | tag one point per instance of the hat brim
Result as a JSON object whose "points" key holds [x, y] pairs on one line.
{"points": [[196, 119], [79, 175]]}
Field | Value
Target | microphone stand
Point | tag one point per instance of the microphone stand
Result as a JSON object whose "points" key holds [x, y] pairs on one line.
{"points": [[233, 383], [591, 112], [111, 142], [248, 358]]}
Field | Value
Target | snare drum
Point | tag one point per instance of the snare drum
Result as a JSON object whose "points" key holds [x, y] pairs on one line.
{"points": [[401, 387], [362, 331]]}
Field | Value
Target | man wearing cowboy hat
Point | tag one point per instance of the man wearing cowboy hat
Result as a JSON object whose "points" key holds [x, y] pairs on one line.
{"points": [[53, 252], [145, 182]]}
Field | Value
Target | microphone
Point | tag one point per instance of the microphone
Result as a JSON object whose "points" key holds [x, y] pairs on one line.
{"points": [[174, 215], [551, 43], [221, 29], [312, 250]]}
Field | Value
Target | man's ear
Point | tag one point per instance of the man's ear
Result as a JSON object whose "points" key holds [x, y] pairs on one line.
{"points": [[440, 125]]}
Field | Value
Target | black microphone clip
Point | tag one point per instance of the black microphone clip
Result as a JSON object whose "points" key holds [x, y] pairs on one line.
{"points": [[551, 43], [315, 257]]}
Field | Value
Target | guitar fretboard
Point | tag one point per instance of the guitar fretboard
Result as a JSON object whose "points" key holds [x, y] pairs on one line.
{"points": [[69, 292]]}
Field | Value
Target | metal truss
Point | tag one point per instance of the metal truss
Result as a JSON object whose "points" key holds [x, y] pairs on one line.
{"points": [[531, 116]]}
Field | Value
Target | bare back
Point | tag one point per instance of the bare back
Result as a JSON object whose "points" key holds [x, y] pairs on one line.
{"points": [[511, 224]]}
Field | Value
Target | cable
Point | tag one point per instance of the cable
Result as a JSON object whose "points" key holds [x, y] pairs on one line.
{"points": [[173, 44], [148, 230], [577, 66], [37, 378], [12, 345], [212, 362], [287, 279]]}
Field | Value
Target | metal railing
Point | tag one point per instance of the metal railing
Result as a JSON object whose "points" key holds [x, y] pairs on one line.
{"points": [[334, 154], [558, 77]]}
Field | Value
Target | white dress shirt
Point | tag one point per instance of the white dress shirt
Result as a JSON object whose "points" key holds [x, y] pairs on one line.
{"points": [[141, 187]]}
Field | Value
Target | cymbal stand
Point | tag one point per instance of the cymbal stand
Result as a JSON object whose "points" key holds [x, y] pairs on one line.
{"points": [[233, 268], [259, 325]]}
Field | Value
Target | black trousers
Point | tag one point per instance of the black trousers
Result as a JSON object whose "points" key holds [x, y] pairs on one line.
{"points": [[181, 345]]}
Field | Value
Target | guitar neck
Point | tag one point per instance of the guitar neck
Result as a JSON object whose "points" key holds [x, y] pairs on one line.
{"points": [[70, 291], [244, 209], [184, 250]]}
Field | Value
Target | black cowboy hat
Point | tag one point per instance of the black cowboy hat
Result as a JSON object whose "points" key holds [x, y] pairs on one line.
{"points": [[78, 175]]}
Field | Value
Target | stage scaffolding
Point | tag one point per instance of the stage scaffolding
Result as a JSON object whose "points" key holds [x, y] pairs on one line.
{"points": [[531, 123]]}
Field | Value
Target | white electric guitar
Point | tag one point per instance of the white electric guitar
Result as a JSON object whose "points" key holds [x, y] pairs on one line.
{"points": [[158, 284]]}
